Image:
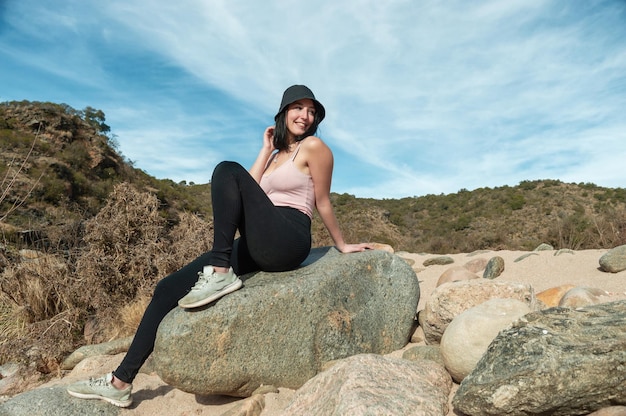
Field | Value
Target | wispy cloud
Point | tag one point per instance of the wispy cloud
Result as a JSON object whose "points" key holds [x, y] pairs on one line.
{"points": [[422, 97]]}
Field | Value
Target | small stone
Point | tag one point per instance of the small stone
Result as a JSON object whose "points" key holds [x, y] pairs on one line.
{"points": [[494, 268], [524, 256], [440, 260], [424, 352], [544, 247]]}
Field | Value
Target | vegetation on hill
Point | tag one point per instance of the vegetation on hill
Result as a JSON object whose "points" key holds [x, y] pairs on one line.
{"points": [[85, 235]]}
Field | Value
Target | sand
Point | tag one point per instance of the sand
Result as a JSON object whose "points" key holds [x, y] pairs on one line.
{"points": [[542, 270]]}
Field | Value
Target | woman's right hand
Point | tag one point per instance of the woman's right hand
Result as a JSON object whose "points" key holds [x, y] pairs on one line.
{"points": [[268, 138], [260, 164]]}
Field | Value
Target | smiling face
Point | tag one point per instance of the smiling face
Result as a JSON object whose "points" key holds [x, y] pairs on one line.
{"points": [[299, 117]]}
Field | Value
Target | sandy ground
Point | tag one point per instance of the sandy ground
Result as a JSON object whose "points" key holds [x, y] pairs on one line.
{"points": [[542, 270]]}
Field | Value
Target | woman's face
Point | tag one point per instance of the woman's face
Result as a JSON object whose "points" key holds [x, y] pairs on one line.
{"points": [[299, 117]]}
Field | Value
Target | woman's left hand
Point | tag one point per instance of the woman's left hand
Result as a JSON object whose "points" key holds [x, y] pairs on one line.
{"points": [[355, 248]]}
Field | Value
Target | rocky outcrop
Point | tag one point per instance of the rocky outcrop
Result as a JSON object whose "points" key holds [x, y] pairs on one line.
{"points": [[282, 328], [558, 361], [369, 384]]}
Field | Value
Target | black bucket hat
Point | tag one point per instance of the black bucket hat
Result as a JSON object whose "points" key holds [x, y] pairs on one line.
{"points": [[298, 92]]}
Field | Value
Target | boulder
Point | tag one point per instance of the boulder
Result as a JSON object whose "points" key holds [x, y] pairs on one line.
{"points": [[281, 328], [558, 361], [614, 260], [469, 334], [449, 300], [55, 401], [369, 384]]}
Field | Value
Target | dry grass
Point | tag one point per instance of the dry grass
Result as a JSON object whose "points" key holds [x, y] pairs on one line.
{"points": [[128, 318], [38, 287], [49, 305], [13, 322]]}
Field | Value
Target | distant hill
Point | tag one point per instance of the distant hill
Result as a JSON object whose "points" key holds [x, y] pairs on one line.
{"points": [[73, 165]]}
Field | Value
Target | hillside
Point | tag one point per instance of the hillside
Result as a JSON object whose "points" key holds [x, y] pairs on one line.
{"points": [[83, 231], [74, 164]]}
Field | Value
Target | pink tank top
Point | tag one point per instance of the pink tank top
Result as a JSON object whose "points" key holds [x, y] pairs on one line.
{"points": [[287, 186]]}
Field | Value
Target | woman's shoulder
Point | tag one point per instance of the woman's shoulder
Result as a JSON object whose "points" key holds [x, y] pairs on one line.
{"points": [[313, 143], [316, 151]]}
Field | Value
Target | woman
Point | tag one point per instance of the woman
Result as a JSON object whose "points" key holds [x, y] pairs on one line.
{"points": [[271, 206]]}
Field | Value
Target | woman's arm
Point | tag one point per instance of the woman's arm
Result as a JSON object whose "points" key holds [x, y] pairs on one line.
{"points": [[320, 163], [257, 169]]}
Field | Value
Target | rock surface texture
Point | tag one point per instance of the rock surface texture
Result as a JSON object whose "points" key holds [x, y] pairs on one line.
{"points": [[558, 361], [281, 328], [369, 384]]}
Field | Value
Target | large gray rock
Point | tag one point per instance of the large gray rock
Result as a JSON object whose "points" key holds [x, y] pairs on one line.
{"points": [[54, 401], [369, 384], [281, 328], [558, 361]]}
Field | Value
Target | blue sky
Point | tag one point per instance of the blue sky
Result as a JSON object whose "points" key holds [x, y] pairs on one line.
{"points": [[422, 97]]}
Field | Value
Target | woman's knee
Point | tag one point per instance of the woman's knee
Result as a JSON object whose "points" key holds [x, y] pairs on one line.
{"points": [[225, 168], [168, 292]]}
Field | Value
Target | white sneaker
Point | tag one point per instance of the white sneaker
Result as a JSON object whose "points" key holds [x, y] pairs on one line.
{"points": [[209, 287], [101, 388]]}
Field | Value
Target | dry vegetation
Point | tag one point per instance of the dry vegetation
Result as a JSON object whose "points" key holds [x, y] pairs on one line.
{"points": [[85, 236]]}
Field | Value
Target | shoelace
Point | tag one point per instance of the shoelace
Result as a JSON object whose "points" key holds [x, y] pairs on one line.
{"points": [[203, 280], [101, 381]]}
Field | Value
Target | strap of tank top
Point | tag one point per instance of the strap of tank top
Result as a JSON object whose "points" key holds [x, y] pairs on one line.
{"points": [[296, 151]]}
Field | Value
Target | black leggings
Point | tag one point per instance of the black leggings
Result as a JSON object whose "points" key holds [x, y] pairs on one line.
{"points": [[272, 239]]}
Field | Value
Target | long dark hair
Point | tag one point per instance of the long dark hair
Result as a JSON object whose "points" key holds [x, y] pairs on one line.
{"points": [[281, 133]]}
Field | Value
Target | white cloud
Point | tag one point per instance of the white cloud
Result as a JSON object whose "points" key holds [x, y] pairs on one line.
{"points": [[422, 97]]}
